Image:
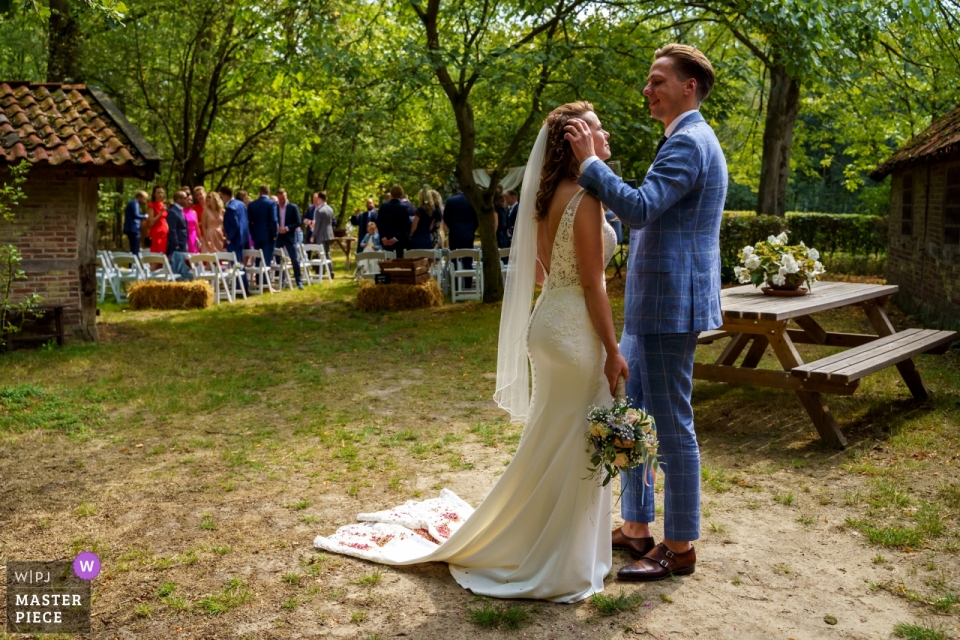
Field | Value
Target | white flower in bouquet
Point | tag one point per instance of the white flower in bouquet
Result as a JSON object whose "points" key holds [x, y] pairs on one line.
{"points": [[782, 238], [778, 279], [772, 240], [818, 268], [746, 251], [743, 275], [752, 261], [813, 254], [789, 263]]}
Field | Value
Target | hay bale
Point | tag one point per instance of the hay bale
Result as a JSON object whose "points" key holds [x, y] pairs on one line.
{"points": [[152, 294], [396, 297]]}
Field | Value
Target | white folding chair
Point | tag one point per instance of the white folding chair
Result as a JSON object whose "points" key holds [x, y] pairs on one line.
{"points": [[126, 269], [460, 274], [368, 262], [257, 269], [162, 273], [233, 272], [305, 270], [206, 266], [504, 254], [316, 256], [104, 274], [282, 269]]}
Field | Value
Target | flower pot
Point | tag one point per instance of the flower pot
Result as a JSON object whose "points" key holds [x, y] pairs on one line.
{"points": [[785, 291], [339, 233]]}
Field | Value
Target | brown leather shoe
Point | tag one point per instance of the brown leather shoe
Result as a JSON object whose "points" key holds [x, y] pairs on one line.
{"points": [[637, 547], [660, 563]]}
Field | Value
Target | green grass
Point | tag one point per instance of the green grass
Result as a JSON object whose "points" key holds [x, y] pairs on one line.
{"points": [[371, 579], [234, 594], [208, 523], [165, 589], [918, 632], [785, 499], [608, 605], [500, 616]]}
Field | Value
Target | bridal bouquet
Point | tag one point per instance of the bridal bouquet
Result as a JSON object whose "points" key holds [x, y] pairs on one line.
{"points": [[782, 266], [622, 438]]}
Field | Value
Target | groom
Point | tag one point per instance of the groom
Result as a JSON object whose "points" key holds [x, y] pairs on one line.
{"points": [[673, 293]]}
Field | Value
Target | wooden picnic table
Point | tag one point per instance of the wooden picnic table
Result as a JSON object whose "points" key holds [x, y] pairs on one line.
{"points": [[752, 318], [344, 243]]}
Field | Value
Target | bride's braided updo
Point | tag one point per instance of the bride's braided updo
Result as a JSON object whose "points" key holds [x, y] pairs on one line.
{"points": [[559, 161]]}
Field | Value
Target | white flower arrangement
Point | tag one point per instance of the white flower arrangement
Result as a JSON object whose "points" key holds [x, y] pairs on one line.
{"points": [[778, 264]]}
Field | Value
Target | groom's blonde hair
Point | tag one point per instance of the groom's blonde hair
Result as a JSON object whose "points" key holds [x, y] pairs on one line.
{"points": [[689, 62]]}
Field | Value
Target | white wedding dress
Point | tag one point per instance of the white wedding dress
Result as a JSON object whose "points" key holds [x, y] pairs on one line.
{"points": [[543, 531]]}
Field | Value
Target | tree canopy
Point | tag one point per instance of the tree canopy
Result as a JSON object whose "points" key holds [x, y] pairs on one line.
{"points": [[351, 97]]}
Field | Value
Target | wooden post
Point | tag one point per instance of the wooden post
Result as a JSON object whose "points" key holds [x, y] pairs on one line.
{"points": [[87, 256], [882, 325]]}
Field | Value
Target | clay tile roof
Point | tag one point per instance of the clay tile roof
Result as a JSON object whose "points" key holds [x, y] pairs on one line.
{"points": [[70, 124], [940, 138]]}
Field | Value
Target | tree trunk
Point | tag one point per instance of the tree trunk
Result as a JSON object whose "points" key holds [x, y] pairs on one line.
{"points": [[782, 108], [63, 42], [482, 201], [87, 256], [346, 185]]}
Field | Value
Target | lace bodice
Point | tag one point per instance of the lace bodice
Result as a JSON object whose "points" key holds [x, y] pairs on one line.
{"points": [[564, 271]]}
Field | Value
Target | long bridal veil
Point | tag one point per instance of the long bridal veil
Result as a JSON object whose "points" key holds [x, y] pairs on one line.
{"points": [[513, 374]]}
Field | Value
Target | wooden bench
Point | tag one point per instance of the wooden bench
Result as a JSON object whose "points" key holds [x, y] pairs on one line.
{"points": [[47, 324], [855, 363]]}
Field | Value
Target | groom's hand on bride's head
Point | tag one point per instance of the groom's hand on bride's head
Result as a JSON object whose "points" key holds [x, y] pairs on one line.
{"points": [[580, 137]]}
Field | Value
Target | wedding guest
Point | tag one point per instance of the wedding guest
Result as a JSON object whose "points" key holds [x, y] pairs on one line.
{"points": [[323, 224], [199, 204], [288, 224], [193, 223], [212, 239], [439, 237], [236, 230], [132, 219], [244, 197], [361, 219], [371, 239], [393, 220], [178, 237], [460, 219], [262, 213], [308, 219], [505, 229], [499, 211], [158, 221], [424, 220]]}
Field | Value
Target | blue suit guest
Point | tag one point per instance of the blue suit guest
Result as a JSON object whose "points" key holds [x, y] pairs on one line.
{"points": [[360, 221], [460, 219], [263, 217], [508, 218], [672, 294], [132, 219], [236, 229], [288, 225], [177, 237], [393, 220]]}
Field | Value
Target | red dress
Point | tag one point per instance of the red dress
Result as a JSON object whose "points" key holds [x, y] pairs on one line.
{"points": [[159, 230]]}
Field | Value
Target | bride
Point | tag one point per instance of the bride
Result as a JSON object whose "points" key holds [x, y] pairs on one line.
{"points": [[543, 531]]}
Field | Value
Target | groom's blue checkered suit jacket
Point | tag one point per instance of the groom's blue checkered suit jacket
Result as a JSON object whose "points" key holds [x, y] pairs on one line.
{"points": [[673, 274]]}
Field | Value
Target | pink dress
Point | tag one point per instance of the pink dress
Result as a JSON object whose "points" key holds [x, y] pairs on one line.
{"points": [[193, 244]]}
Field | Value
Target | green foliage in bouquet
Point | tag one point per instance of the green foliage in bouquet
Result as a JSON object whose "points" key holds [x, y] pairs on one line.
{"points": [[622, 438], [778, 264]]}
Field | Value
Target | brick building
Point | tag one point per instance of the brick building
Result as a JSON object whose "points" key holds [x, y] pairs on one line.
{"points": [[73, 135], [924, 250]]}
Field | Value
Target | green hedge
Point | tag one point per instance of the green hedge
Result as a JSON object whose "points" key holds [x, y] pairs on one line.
{"points": [[852, 234]]}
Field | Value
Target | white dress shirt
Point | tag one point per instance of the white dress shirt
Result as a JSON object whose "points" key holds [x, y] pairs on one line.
{"points": [[666, 134]]}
